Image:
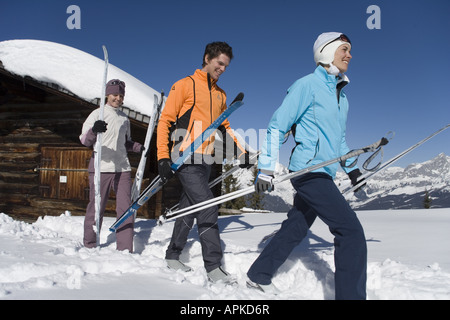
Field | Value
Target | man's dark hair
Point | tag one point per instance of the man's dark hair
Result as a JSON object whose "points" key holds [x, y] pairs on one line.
{"points": [[214, 49]]}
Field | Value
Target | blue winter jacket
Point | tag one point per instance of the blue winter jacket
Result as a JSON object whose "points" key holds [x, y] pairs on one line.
{"points": [[312, 107]]}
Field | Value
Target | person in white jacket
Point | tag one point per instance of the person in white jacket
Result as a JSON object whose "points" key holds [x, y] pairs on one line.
{"points": [[115, 166]]}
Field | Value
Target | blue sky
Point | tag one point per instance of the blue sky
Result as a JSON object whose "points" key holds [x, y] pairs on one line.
{"points": [[399, 74]]}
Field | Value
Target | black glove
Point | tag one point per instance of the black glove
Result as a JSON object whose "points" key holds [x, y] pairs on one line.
{"points": [[165, 170], [264, 182], [99, 126], [354, 175]]}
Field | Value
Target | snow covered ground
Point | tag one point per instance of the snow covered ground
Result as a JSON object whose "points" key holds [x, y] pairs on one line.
{"points": [[409, 259]]}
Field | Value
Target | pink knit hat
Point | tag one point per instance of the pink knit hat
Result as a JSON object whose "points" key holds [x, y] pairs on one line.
{"points": [[115, 87]]}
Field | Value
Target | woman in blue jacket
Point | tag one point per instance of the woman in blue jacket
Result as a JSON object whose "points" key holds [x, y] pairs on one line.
{"points": [[315, 108]]}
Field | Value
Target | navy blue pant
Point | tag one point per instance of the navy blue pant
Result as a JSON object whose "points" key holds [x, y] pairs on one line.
{"points": [[195, 178], [318, 196]]}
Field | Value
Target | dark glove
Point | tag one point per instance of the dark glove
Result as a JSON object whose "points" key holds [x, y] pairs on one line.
{"points": [[142, 150], [99, 126], [165, 170], [264, 182], [354, 175]]}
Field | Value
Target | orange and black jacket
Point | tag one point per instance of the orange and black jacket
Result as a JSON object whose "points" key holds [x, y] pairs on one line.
{"points": [[192, 105]]}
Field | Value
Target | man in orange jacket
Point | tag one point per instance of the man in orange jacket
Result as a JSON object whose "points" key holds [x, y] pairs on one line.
{"points": [[192, 105]]}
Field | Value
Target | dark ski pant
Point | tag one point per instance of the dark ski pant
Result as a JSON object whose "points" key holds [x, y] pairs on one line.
{"points": [[317, 195], [120, 182], [194, 179]]}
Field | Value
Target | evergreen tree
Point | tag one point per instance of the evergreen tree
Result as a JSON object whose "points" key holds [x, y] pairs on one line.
{"points": [[255, 198], [230, 184], [427, 200]]}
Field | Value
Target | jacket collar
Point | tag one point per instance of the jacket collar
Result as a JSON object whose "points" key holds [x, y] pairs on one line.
{"points": [[111, 108], [204, 77], [321, 72], [331, 81]]}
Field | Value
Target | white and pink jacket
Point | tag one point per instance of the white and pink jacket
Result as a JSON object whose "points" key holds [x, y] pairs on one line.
{"points": [[116, 141]]}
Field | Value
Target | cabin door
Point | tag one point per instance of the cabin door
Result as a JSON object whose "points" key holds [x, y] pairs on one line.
{"points": [[64, 173]]}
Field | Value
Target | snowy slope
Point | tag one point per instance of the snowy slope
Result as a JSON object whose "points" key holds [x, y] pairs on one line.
{"points": [[76, 71], [409, 258]]}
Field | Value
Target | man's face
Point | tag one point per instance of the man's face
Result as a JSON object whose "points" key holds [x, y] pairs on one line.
{"points": [[215, 67]]}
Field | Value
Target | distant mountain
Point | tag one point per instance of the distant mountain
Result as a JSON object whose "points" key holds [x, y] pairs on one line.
{"points": [[398, 188], [392, 188]]}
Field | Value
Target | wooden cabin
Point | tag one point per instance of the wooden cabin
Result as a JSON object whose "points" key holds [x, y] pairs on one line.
{"points": [[43, 165]]}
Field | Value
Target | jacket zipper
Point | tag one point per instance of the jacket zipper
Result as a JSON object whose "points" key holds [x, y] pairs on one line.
{"points": [[210, 98]]}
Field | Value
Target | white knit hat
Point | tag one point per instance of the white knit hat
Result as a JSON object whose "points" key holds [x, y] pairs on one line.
{"points": [[326, 45]]}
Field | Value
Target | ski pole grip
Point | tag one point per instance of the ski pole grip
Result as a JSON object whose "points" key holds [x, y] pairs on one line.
{"points": [[384, 141]]}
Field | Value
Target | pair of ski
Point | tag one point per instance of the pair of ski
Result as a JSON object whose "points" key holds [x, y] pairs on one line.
{"points": [[98, 150], [157, 184], [375, 148], [157, 106]]}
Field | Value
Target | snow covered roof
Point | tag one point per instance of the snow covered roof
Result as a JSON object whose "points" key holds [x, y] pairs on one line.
{"points": [[73, 70]]}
